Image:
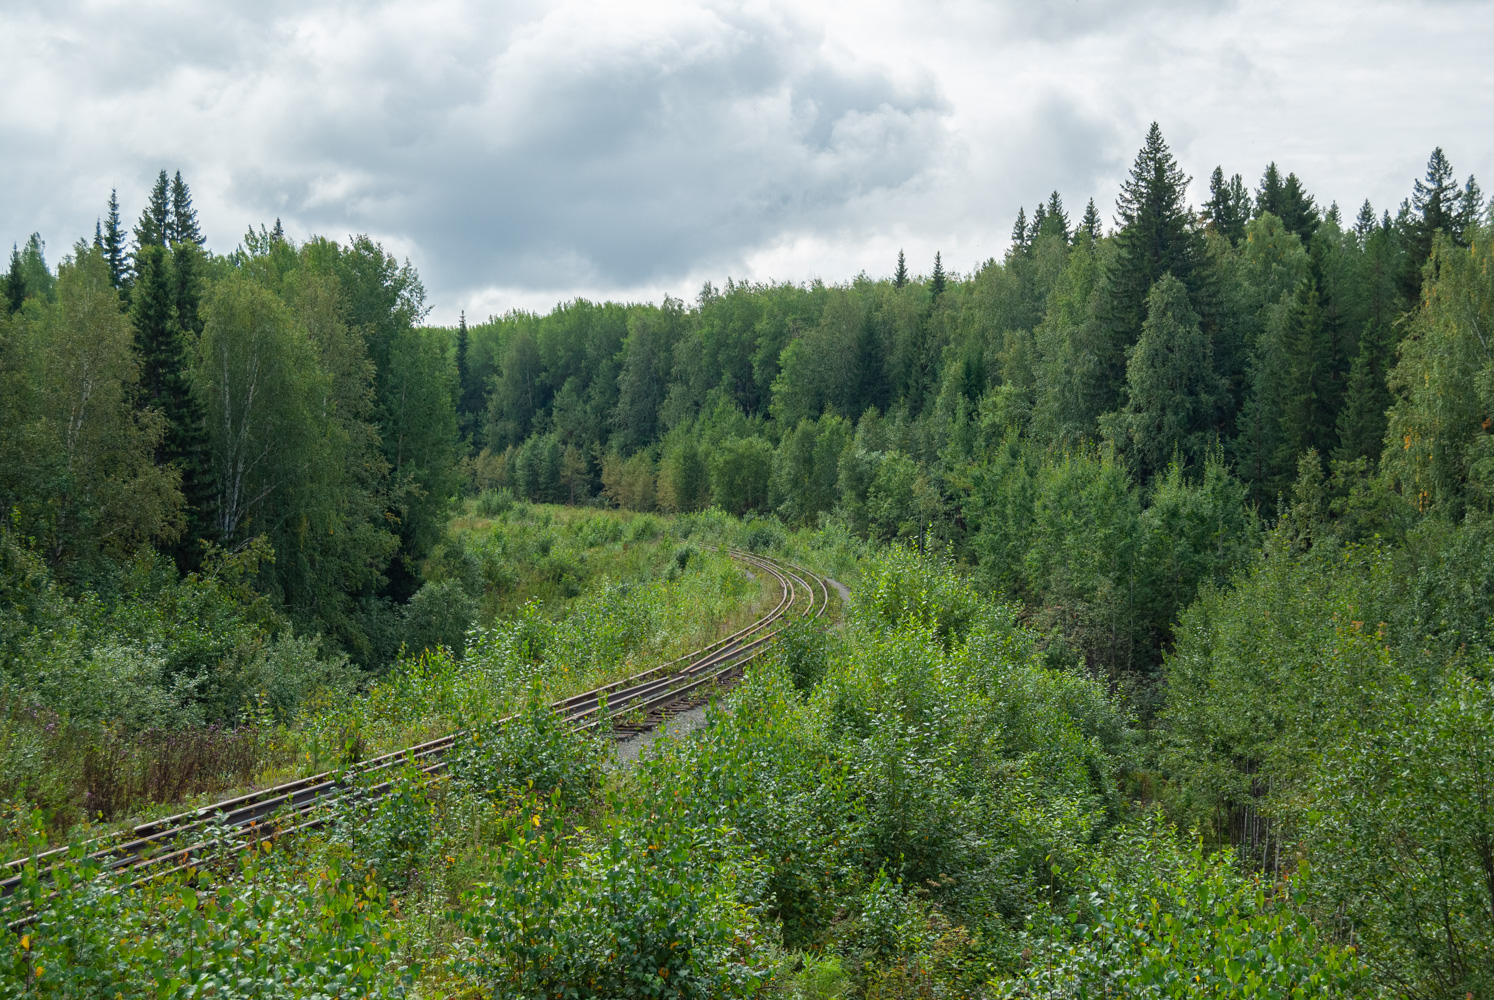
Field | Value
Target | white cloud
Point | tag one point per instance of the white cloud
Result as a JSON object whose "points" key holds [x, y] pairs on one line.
{"points": [[524, 153]]}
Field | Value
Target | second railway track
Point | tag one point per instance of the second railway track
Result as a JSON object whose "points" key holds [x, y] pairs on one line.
{"points": [[169, 845]]}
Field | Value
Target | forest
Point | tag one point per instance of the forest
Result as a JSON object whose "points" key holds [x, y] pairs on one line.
{"points": [[1168, 668]]}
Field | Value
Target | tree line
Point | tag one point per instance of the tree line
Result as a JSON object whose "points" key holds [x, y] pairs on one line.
{"points": [[157, 397], [1101, 421]]}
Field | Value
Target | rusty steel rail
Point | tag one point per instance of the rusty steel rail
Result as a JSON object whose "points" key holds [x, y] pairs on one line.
{"points": [[168, 845]]}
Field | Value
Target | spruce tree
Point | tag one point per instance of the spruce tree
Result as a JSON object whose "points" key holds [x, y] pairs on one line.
{"points": [[1296, 209], [186, 285], [1309, 409], [161, 348], [1258, 444], [1055, 219], [872, 386], [1228, 207], [184, 228], [1362, 421], [1173, 391], [154, 227], [115, 251], [465, 411], [1240, 195], [277, 235], [937, 282], [1019, 233], [1090, 225], [1035, 227], [1470, 211], [157, 335], [1433, 209], [15, 282], [1435, 199], [900, 276], [461, 357], [1365, 222], [1268, 196], [1153, 238]]}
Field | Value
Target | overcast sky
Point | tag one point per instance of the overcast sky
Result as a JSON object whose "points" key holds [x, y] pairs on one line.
{"points": [[520, 154]]}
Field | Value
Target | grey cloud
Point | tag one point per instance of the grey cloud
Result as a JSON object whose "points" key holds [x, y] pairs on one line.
{"points": [[569, 145], [1065, 21], [620, 164]]}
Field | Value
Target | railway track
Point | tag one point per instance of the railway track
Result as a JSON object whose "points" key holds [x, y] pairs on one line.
{"points": [[165, 846]]}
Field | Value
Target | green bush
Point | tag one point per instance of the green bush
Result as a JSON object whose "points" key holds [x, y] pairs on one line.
{"points": [[900, 586], [266, 929], [804, 650], [536, 751], [494, 503], [648, 912], [1162, 922], [1400, 837], [439, 615]]}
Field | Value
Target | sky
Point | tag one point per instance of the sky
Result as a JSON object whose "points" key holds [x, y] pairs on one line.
{"points": [[523, 154]]}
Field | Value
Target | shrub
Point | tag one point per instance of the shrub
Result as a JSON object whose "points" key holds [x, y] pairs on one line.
{"points": [[267, 929], [439, 615], [804, 650], [536, 751], [495, 503], [900, 586], [647, 913], [762, 534], [1164, 923]]}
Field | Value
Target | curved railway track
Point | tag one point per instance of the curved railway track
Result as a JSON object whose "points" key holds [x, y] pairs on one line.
{"points": [[173, 844]]}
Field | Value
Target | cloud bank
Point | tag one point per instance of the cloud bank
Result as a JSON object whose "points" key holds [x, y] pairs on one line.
{"points": [[522, 154]]}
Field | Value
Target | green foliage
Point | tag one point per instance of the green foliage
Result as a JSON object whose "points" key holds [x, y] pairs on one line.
{"points": [[1400, 830], [650, 911], [740, 472], [439, 614], [533, 751], [1072, 538], [267, 929], [1437, 445], [899, 586], [804, 651], [1173, 395], [1160, 922], [891, 797], [78, 476]]}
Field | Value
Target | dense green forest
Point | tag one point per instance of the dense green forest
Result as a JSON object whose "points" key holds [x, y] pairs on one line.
{"points": [[1179, 523]]}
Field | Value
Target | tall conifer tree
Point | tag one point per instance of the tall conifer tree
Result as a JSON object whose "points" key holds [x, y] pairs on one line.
{"points": [[116, 253], [1056, 219], [154, 227], [164, 385], [183, 227], [1297, 210], [1361, 421], [1090, 225], [937, 281], [1268, 196], [1153, 238], [900, 276], [1173, 392], [1434, 208], [1228, 207], [15, 282], [468, 395], [1310, 406]]}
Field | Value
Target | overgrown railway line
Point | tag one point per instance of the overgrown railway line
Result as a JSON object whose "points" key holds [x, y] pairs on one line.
{"points": [[166, 846]]}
